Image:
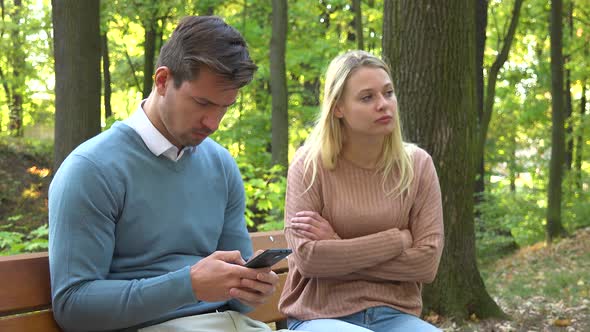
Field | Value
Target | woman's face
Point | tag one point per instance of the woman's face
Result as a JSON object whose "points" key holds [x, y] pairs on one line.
{"points": [[368, 104]]}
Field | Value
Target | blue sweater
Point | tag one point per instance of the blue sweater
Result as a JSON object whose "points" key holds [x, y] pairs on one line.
{"points": [[125, 226]]}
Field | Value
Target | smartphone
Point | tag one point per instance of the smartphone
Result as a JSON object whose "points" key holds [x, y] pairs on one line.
{"points": [[268, 258]]}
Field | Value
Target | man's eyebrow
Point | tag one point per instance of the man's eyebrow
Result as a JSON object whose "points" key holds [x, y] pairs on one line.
{"points": [[205, 100]]}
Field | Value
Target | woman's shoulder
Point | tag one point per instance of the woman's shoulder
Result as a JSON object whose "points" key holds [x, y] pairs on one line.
{"points": [[421, 159], [300, 155], [417, 153], [424, 168]]}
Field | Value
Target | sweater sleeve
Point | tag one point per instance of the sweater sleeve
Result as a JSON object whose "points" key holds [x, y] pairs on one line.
{"points": [[84, 205], [332, 258], [235, 235], [420, 262]]}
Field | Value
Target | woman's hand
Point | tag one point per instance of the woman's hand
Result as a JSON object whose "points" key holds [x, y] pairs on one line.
{"points": [[311, 225]]}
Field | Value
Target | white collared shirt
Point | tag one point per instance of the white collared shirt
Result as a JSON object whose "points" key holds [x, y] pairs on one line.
{"points": [[153, 139]]}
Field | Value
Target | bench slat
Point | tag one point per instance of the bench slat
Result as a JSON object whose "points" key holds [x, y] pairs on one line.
{"points": [[25, 282], [39, 321]]}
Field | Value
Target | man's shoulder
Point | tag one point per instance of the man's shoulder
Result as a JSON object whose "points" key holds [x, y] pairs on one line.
{"points": [[107, 143], [105, 149], [212, 149]]}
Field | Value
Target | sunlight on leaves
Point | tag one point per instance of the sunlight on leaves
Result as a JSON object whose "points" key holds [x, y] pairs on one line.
{"points": [[31, 193], [40, 172]]}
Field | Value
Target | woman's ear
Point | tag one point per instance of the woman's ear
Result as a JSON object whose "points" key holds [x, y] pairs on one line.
{"points": [[338, 112]]}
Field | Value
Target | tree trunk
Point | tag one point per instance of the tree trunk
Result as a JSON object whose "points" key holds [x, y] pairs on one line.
{"points": [[512, 171], [149, 47], [431, 48], [569, 147], [481, 22], [278, 83], [358, 23], [108, 112], [554, 225], [77, 74], [568, 110], [18, 64], [580, 140], [2, 76], [6, 90]]}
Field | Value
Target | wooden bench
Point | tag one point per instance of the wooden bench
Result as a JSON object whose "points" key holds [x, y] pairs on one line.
{"points": [[25, 296]]}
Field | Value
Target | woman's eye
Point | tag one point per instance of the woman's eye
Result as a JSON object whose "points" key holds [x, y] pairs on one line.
{"points": [[389, 93], [366, 98]]}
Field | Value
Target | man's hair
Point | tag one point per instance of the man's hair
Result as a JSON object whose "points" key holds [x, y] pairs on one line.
{"points": [[207, 41]]}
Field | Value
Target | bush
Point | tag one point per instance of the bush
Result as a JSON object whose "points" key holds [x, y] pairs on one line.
{"points": [[265, 196]]}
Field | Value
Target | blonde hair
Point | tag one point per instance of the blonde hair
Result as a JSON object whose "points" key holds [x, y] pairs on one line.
{"points": [[325, 140]]}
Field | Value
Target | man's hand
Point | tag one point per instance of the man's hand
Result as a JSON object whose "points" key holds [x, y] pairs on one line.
{"points": [[213, 276], [254, 292], [222, 276], [311, 225]]}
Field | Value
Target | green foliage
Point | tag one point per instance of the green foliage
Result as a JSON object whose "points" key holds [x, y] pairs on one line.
{"points": [[23, 177], [25, 60], [265, 196], [511, 219], [15, 242], [110, 121], [506, 218], [37, 149]]}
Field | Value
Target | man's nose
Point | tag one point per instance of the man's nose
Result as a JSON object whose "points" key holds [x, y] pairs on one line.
{"points": [[211, 121]]}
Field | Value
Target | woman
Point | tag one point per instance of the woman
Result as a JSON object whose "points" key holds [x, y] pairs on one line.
{"points": [[363, 211]]}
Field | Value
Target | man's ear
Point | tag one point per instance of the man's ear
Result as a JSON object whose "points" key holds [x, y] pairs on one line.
{"points": [[161, 80]]}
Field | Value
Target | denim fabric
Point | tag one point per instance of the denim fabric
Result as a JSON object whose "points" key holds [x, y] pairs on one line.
{"points": [[377, 319]]}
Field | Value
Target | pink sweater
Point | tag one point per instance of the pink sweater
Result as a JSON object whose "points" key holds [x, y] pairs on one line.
{"points": [[388, 246]]}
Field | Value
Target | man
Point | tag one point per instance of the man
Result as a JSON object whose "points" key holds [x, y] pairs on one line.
{"points": [[146, 219]]}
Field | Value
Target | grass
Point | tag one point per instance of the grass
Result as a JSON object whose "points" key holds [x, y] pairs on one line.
{"points": [[542, 288]]}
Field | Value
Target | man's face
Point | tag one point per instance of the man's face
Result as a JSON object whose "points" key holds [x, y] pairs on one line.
{"points": [[192, 112]]}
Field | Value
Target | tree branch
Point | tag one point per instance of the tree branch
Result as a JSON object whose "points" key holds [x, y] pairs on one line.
{"points": [[493, 73], [137, 84]]}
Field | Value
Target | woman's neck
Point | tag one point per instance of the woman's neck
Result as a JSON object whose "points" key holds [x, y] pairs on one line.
{"points": [[364, 153]]}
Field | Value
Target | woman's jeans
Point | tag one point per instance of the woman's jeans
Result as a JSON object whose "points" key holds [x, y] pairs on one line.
{"points": [[377, 319]]}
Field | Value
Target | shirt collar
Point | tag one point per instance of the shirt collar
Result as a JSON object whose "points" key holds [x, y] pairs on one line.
{"points": [[153, 139]]}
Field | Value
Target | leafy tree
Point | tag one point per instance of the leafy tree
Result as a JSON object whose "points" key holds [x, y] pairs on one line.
{"points": [[24, 60], [485, 113]]}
